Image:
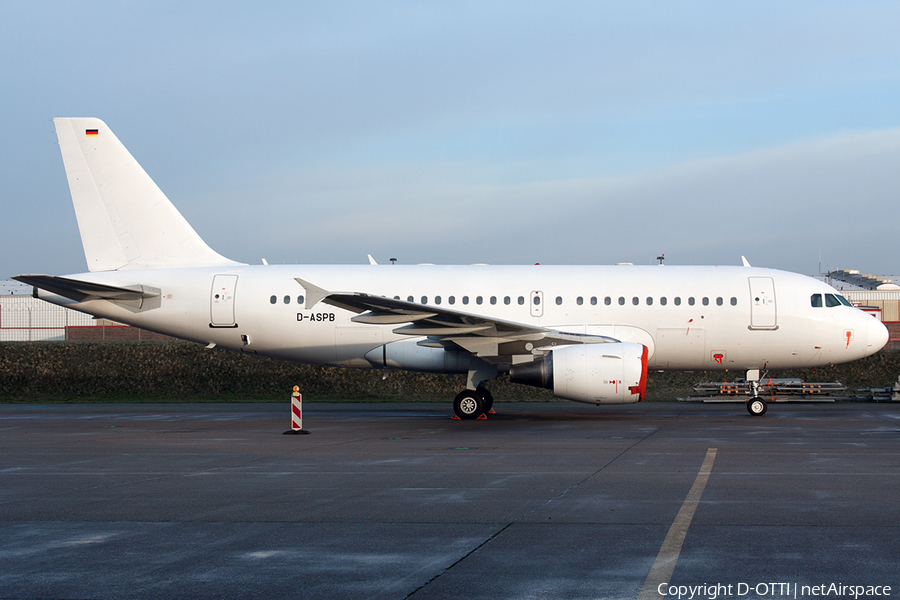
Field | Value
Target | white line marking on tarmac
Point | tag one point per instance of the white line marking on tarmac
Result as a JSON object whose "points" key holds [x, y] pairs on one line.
{"points": [[664, 566]]}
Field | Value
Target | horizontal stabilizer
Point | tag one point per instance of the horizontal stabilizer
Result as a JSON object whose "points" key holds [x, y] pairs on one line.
{"points": [[135, 296]]}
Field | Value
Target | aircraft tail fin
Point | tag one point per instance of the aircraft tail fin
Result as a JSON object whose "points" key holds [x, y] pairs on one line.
{"points": [[125, 220]]}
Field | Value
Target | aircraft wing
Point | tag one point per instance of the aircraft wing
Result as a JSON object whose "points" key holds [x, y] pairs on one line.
{"points": [[485, 337], [136, 296]]}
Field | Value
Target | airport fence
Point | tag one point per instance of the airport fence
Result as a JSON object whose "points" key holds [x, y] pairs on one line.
{"points": [[27, 319]]}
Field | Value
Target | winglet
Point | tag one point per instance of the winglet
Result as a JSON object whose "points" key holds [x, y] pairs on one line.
{"points": [[744, 260], [371, 260], [314, 294]]}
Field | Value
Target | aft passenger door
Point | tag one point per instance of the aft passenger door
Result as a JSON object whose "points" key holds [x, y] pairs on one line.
{"points": [[221, 308], [763, 314]]}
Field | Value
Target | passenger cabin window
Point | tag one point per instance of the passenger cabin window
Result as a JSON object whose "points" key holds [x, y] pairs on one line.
{"points": [[506, 300], [621, 300], [705, 301], [635, 300], [410, 299], [521, 300], [663, 301], [607, 301], [299, 299], [287, 299], [733, 301], [536, 300], [579, 300], [719, 301], [465, 299], [493, 299], [451, 300], [559, 300], [478, 299], [437, 299], [677, 300], [273, 300], [424, 299], [649, 301], [690, 301]]}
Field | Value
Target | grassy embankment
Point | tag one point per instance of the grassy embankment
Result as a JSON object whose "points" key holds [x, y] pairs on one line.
{"points": [[184, 372]]}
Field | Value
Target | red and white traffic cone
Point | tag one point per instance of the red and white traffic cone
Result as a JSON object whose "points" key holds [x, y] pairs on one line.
{"points": [[296, 413]]}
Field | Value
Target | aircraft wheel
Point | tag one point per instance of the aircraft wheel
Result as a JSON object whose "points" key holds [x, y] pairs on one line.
{"points": [[487, 397], [757, 407], [468, 405]]}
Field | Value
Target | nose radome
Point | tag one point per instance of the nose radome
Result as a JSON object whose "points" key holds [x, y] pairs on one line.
{"points": [[876, 335]]}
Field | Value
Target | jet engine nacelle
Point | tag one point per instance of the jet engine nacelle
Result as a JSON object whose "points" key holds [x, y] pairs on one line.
{"points": [[613, 373]]}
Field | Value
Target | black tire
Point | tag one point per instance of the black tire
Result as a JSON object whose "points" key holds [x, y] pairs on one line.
{"points": [[468, 405], [757, 407], [487, 397]]}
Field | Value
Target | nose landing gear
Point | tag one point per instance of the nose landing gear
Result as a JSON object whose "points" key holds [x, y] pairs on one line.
{"points": [[756, 406]]}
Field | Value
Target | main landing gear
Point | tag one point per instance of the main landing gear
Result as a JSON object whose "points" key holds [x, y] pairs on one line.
{"points": [[474, 401], [756, 406], [471, 404]]}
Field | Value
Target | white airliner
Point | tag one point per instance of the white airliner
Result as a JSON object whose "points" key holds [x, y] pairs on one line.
{"points": [[588, 333]]}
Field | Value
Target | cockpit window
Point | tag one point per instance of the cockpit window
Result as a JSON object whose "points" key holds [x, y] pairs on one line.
{"points": [[816, 300], [843, 300], [831, 301]]}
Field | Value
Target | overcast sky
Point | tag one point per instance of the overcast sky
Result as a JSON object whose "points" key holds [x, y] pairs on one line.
{"points": [[453, 132]]}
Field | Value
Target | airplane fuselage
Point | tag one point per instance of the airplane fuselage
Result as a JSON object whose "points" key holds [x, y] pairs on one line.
{"points": [[689, 318]]}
